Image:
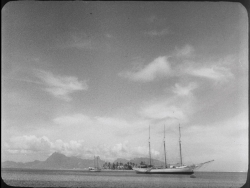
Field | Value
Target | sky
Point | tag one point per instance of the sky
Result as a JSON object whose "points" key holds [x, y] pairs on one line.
{"points": [[89, 78]]}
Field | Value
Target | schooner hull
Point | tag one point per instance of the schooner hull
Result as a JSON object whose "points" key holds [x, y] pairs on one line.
{"points": [[95, 170], [164, 171]]}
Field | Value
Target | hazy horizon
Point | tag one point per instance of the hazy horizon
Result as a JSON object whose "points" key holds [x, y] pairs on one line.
{"points": [[88, 78], [200, 169]]}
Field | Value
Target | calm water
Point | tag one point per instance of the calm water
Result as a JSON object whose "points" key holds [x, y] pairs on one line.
{"points": [[74, 178]]}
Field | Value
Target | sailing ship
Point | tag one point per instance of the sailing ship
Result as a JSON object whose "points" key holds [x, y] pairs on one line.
{"points": [[96, 167], [168, 169]]}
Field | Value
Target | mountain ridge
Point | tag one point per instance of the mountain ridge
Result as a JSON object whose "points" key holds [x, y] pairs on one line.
{"points": [[61, 161]]}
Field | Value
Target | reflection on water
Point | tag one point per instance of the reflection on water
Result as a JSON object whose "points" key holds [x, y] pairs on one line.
{"points": [[77, 178]]}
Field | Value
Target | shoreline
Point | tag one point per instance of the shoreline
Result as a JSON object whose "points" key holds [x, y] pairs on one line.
{"points": [[103, 170]]}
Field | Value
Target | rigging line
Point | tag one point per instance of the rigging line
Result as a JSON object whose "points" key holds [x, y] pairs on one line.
{"points": [[149, 148], [180, 143], [165, 149]]}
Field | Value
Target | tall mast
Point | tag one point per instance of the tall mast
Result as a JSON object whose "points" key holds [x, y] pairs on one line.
{"points": [[149, 148], [97, 165], [180, 143], [165, 149]]}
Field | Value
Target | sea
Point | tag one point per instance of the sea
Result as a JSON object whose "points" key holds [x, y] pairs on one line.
{"points": [[119, 179]]}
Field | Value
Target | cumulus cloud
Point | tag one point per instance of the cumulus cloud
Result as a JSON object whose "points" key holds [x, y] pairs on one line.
{"points": [[33, 144], [159, 67], [99, 125], [184, 90], [123, 150], [72, 148], [29, 144], [61, 86], [215, 72], [180, 65]]}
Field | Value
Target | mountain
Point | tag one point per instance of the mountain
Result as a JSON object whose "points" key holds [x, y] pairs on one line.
{"points": [[11, 164], [55, 161], [60, 161]]}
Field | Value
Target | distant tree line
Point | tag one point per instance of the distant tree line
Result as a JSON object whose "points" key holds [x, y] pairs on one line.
{"points": [[121, 166]]}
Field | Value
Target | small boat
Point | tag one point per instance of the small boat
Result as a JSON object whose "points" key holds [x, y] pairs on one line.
{"points": [[96, 167], [182, 169]]}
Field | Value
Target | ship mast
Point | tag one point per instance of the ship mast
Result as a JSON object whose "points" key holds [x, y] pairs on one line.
{"points": [[180, 143], [165, 149], [149, 148], [97, 165]]}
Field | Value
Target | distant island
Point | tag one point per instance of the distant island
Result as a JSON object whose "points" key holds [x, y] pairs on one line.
{"points": [[60, 161]]}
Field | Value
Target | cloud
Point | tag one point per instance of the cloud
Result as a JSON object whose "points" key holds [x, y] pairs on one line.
{"points": [[122, 150], [229, 141], [215, 72], [155, 33], [73, 119], [102, 123], [24, 80], [33, 144], [229, 138], [159, 67], [185, 51], [179, 65], [176, 108], [29, 144], [72, 148], [98, 125], [163, 110], [184, 90], [143, 152], [61, 86], [232, 138]]}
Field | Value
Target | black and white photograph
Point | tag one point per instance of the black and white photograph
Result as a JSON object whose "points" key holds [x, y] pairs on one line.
{"points": [[124, 94]]}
